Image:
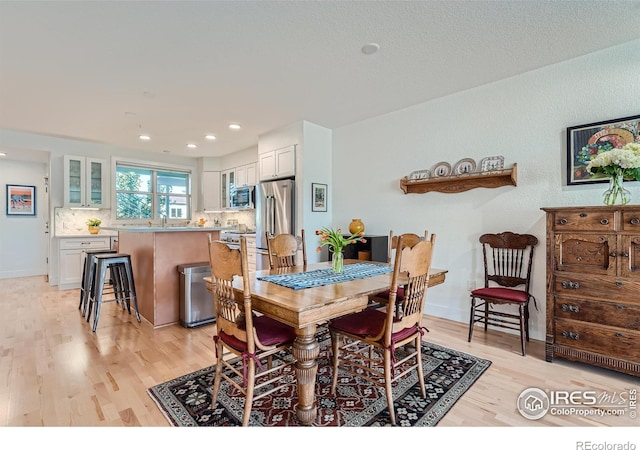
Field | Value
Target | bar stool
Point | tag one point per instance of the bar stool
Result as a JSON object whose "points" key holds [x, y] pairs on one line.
{"points": [[124, 288], [88, 271]]}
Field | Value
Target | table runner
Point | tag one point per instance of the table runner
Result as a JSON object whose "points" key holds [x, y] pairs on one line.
{"points": [[322, 277]]}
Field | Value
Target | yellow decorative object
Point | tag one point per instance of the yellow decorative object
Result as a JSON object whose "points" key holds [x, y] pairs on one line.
{"points": [[94, 230], [356, 226]]}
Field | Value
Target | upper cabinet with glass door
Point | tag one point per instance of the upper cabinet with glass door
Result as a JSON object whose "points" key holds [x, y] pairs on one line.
{"points": [[86, 182]]}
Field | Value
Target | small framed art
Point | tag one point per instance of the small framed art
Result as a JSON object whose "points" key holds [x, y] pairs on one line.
{"points": [[318, 197], [21, 200], [586, 141]]}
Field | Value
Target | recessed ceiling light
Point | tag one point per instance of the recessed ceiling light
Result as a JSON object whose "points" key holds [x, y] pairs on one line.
{"points": [[145, 137], [234, 126], [210, 137], [192, 146], [370, 48]]}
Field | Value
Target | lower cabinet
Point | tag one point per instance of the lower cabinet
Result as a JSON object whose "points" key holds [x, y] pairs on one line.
{"points": [[374, 249], [71, 254], [251, 252]]}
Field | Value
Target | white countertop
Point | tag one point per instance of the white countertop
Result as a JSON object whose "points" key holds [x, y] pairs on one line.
{"points": [[161, 229]]}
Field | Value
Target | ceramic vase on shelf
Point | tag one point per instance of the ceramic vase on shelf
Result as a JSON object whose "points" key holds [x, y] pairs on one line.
{"points": [[616, 194], [94, 230], [356, 226], [337, 262]]}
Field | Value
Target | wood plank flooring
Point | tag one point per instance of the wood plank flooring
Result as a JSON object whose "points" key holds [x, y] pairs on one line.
{"points": [[55, 372]]}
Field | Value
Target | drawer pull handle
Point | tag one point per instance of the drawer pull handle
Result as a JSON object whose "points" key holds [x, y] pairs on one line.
{"points": [[563, 221], [571, 335], [583, 214], [635, 221], [619, 334], [619, 283], [624, 254], [571, 308], [604, 221], [571, 285], [619, 307], [613, 254]]}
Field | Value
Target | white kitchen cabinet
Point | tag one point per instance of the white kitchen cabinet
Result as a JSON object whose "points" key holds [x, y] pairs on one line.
{"points": [[71, 254], [86, 182], [251, 251], [227, 182], [279, 163], [211, 198], [246, 175]]}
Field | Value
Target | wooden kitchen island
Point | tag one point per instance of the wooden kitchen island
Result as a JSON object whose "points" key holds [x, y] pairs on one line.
{"points": [[156, 253]]}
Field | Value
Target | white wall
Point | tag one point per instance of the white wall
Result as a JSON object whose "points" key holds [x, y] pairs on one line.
{"points": [[523, 118], [23, 242]]}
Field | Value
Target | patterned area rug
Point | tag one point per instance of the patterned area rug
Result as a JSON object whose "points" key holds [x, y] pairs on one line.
{"points": [[186, 400]]}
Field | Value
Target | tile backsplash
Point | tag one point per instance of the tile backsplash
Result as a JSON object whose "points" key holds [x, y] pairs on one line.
{"points": [[69, 221]]}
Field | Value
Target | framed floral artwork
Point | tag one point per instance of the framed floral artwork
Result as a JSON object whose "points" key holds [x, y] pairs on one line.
{"points": [[21, 200], [586, 141], [318, 197]]}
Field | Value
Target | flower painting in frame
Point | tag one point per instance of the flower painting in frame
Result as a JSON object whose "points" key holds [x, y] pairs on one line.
{"points": [[585, 142], [21, 200], [318, 197]]}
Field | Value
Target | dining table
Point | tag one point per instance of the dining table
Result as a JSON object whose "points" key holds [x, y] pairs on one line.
{"points": [[305, 308]]}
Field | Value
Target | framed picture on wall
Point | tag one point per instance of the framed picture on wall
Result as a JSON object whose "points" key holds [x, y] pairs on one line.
{"points": [[318, 197], [21, 200], [586, 141]]}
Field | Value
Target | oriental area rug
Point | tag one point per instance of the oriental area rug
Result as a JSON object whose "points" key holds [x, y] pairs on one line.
{"points": [[186, 400]]}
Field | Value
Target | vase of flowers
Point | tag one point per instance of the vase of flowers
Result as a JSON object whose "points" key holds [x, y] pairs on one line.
{"points": [[94, 225], [618, 164], [337, 242]]}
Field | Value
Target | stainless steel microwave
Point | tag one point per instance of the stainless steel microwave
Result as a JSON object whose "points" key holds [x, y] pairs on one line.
{"points": [[241, 197]]}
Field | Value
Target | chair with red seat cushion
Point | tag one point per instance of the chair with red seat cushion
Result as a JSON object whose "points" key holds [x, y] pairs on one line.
{"points": [[371, 344], [283, 250], [507, 260], [251, 337]]}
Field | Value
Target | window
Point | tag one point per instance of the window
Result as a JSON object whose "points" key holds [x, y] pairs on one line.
{"points": [[152, 193]]}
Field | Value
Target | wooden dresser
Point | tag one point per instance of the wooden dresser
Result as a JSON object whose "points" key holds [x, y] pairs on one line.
{"points": [[593, 286]]}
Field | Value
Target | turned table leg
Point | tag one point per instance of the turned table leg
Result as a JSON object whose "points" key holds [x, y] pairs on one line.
{"points": [[306, 350]]}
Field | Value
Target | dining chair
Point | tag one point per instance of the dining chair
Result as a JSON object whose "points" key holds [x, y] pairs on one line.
{"points": [[253, 338], [283, 250], [408, 240], [507, 259], [371, 344]]}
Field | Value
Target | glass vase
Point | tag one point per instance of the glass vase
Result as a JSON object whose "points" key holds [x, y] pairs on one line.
{"points": [[616, 194], [337, 262]]}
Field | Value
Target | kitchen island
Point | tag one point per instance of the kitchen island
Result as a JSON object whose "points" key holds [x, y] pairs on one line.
{"points": [[156, 252]]}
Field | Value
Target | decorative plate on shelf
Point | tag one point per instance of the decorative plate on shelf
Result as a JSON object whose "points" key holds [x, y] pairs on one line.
{"points": [[464, 166], [442, 169], [419, 175], [491, 163]]}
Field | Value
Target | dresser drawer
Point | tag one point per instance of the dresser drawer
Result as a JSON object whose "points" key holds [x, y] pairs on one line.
{"points": [[597, 287], [85, 243], [622, 314], [631, 221], [624, 344], [584, 221]]}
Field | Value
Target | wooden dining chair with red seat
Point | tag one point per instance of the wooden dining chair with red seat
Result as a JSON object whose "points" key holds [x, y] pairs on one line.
{"points": [[408, 240], [253, 338], [367, 344], [508, 259], [284, 249]]}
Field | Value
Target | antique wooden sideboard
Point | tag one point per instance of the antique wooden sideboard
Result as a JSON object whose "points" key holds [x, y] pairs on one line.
{"points": [[593, 286]]}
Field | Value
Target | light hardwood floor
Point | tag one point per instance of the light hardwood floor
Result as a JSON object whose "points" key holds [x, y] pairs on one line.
{"points": [[55, 372]]}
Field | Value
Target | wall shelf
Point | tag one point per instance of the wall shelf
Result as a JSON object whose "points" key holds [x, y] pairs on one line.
{"points": [[460, 183]]}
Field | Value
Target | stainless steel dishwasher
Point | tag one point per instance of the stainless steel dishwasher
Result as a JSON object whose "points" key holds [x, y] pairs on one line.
{"points": [[196, 303]]}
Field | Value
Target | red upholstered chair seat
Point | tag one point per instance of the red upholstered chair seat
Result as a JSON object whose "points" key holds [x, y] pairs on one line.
{"points": [[270, 332], [368, 323], [399, 294], [511, 295]]}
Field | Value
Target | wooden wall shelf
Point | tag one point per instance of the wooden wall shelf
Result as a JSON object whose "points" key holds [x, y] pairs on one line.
{"points": [[460, 183]]}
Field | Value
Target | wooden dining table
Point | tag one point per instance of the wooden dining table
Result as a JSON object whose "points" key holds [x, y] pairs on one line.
{"points": [[304, 309]]}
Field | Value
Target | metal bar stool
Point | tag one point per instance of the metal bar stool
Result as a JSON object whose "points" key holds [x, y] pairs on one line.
{"points": [[88, 271], [124, 286]]}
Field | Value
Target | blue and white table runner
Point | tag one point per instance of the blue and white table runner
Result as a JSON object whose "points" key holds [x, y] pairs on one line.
{"points": [[322, 277]]}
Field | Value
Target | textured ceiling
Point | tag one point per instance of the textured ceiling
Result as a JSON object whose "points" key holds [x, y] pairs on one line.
{"points": [[108, 71]]}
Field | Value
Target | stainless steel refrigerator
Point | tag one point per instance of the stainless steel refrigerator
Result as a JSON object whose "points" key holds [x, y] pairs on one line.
{"points": [[274, 214]]}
